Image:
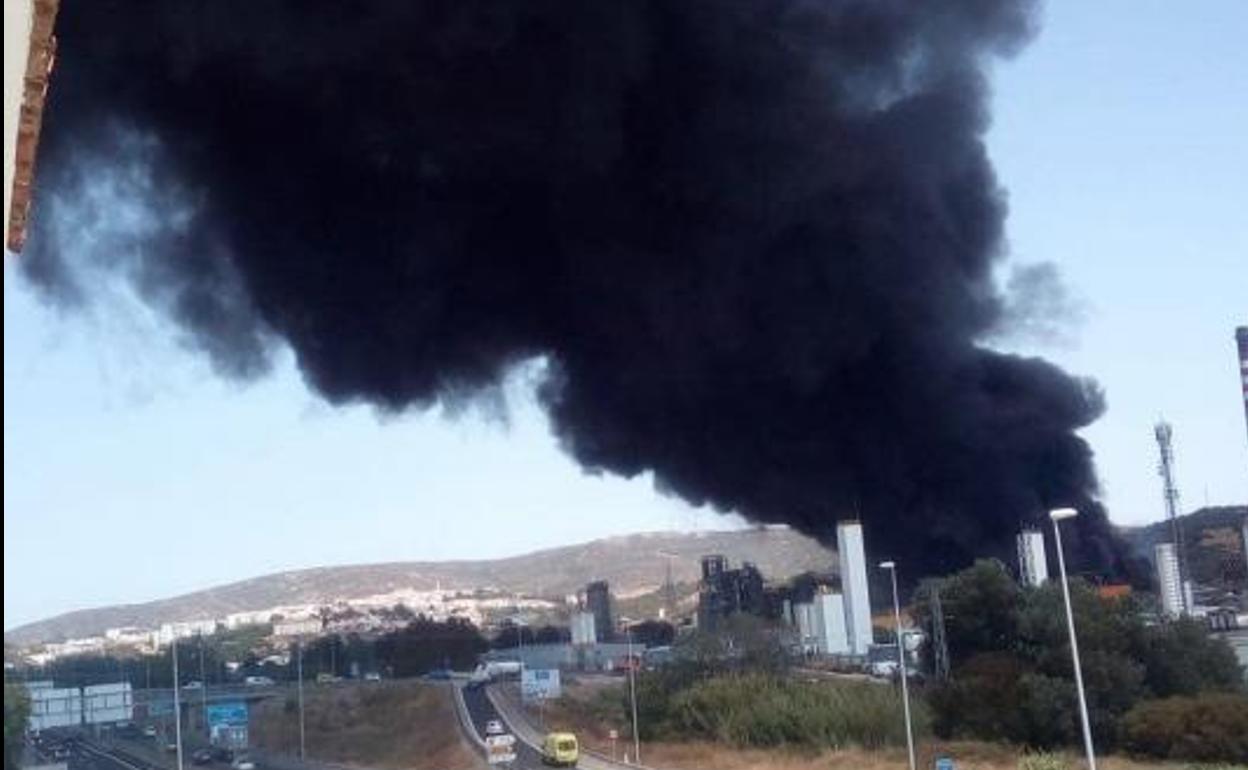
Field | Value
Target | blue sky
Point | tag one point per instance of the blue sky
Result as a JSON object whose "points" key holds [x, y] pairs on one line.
{"points": [[131, 473]]}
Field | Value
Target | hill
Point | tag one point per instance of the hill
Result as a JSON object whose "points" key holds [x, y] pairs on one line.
{"points": [[1212, 538], [634, 564]]}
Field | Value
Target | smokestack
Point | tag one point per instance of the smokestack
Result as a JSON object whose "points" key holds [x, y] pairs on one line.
{"points": [[1033, 563], [1241, 337], [752, 245], [851, 554]]}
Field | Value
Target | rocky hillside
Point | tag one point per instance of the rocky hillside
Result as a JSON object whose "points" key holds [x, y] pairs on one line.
{"points": [[634, 564], [1212, 538]]}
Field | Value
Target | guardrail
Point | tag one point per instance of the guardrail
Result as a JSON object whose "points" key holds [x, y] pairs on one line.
{"points": [[465, 720]]}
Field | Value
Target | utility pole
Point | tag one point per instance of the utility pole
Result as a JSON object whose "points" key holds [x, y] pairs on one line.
{"points": [[177, 702], [632, 694], [203, 689], [940, 647], [299, 653]]}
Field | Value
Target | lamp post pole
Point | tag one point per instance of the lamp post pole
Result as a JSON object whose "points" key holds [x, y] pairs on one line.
{"points": [[1057, 516], [901, 661]]}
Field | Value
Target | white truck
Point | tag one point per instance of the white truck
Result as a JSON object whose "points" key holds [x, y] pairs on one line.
{"points": [[495, 669]]}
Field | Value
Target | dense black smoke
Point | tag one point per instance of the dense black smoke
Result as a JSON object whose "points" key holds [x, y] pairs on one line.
{"points": [[753, 240]]}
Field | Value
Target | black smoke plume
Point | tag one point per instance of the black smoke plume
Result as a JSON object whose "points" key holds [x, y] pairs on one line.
{"points": [[753, 240]]}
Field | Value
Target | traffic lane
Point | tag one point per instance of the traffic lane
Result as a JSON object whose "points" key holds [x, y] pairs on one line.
{"points": [[481, 711]]}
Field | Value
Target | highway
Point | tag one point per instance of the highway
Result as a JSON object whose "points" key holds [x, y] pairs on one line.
{"points": [[481, 710], [85, 755]]}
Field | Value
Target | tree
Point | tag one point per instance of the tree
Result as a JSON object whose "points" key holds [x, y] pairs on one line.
{"points": [[981, 605], [653, 633], [425, 644], [552, 635], [16, 712], [1012, 674], [1181, 658]]}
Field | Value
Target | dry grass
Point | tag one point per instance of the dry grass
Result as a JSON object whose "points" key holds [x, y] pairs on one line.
{"points": [[577, 712], [968, 755], [394, 725]]}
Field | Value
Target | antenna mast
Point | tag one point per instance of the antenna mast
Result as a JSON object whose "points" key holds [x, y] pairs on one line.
{"points": [[1170, 491]]}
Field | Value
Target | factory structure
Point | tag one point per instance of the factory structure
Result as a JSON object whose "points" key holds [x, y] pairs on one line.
{"points": [[1241, 339], [1169, 583], [827, 621]]}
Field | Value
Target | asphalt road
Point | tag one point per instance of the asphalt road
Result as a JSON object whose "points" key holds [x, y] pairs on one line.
{"points": [[480, 711]]}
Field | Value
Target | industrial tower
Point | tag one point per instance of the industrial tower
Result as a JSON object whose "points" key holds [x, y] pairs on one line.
{"points": [[1241, 337], [1170, 490]]}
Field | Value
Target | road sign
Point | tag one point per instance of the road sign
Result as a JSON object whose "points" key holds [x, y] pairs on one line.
{"points": [[944, 763], [500, 749], [613, 734], [227, 724], [539, 684]]}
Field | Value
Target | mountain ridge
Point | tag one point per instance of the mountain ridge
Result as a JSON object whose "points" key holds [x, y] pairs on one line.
{"points": [[631, 563]]}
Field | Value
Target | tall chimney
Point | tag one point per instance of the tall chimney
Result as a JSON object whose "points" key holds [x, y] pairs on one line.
{"points": [[1241, 336]]}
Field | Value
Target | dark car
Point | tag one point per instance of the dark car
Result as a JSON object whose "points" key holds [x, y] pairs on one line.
{"points": [[202, 756], [222, 754]]}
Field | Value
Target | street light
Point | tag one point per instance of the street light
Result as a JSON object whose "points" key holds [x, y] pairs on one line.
{"points": [[177, 701], [299, 674], [1058, 515], [901, 660]]}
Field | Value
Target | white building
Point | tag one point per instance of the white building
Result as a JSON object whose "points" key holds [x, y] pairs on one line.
{"points": [[1244, 530], [854, 582], [583, 628], [184, 630], [305, 627], [1033, 565], [821, 624], [129, 636], [1169, 589], [241, 619]]}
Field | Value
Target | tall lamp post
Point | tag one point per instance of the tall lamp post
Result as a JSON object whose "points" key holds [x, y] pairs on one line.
{"points": [[299, 674], [1058, 515], [901, 660], [177, 701]]}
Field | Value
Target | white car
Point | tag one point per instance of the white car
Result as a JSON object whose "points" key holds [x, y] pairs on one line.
{"points": [[193, 685], [243, 763], [494, 727]]}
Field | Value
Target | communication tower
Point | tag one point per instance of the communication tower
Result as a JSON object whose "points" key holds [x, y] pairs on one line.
{"points": [[1170, 491]]}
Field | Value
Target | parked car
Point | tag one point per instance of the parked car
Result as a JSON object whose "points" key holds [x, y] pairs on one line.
{"points": [[259, 681], [222, 754], [194, 684], [201, 756], [243, 763], [494, 727], [372, 676], [149, 731]]}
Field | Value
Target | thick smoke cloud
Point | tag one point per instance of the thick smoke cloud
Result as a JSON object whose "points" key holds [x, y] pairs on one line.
{"points": [[753, 240]]}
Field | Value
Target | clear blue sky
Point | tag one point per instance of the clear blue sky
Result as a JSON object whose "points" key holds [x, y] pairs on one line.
{"points": [[130, 473]]}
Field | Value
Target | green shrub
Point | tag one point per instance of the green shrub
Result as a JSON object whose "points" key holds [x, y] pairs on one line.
{"points": [[758, 710], [1204, 728]]}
